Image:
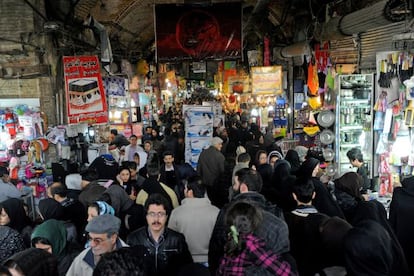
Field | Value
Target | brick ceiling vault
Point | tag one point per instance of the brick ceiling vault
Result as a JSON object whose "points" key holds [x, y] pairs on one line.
{"points": [[130, 23]]}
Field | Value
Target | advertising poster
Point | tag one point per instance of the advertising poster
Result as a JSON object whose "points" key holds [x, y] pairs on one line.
{"points": [[203, 32], [267, 80], [199, 131], [85, 95]]}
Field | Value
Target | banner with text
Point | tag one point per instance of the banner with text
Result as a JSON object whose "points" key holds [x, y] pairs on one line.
{"points": [[85, 94]]}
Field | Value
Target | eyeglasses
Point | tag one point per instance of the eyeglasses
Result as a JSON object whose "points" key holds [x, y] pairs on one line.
{"points": [[96, 241], [156, 215]]}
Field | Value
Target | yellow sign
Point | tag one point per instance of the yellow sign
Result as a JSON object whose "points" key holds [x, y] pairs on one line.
{"points": [[267, 80]]}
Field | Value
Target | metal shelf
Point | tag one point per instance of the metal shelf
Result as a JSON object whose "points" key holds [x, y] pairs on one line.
{"points": [[352, 127], [355, 101], [349, 145]]}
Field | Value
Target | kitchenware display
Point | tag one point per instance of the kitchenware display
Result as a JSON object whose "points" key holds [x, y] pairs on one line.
{"points": [[328, 154], [361, 93], [326, 118], [326, 137], [346, 84], [347, 93], [353, 124]]}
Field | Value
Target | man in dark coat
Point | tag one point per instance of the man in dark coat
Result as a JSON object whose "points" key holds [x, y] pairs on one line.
{"points": [[166, 250], [211, 168], [304, 223], [211, 162], [92, 190], [74, 211], [273, 230]]}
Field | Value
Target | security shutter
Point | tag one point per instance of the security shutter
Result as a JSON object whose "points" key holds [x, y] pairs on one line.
{"points": [[343, 51], [377, 40]]}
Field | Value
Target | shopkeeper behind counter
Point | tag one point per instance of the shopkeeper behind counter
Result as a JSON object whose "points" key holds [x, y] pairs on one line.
{"points": [[357, 160]]}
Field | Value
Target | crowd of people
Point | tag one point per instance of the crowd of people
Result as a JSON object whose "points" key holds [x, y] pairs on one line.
{"points": [[247, 209]]}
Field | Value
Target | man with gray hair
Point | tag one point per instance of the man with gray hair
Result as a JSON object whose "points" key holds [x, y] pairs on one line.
{"points": [[103, 238], [211, 167]]}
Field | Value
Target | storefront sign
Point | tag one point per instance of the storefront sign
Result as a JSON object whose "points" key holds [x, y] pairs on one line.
{"points": [[267, 80], [85, 95]]}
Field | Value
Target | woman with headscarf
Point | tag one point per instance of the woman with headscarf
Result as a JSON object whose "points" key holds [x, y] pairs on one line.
{"points": [[323, 201], [99, 208], [401, 211], [332, 233], [244, 252], [51, 236], [292, 157], [348, 193], [11, 242], [354, 205], [260, 158], [370, 250], [14, 216], [32, 262], [51, 209], [273, 156], [264, 169], [280, 192]]}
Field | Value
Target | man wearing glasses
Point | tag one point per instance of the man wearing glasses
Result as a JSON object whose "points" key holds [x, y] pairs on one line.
{"points": [[166, 250], [103, 238]]}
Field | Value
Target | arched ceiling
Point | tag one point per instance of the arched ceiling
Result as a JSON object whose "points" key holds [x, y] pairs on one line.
{"points": [[130, 23]]}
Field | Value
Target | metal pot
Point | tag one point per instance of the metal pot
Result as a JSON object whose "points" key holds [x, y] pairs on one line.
{"points": [[349, 119]]}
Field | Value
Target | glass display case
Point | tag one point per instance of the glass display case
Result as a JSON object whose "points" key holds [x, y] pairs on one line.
{"points": [[354, 117]]}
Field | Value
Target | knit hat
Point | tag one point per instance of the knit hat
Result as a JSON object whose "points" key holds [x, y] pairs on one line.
{"points": [[302, 151], [105, 224], [216, 140], [240, 150], [274, 153]]}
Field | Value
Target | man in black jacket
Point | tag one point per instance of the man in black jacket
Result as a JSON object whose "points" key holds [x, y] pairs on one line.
{"points": [[273, 230], [166, 250]]}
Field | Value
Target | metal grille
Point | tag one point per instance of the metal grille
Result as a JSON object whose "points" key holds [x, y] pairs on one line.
{"points": [[377, 40], [344, 51]]}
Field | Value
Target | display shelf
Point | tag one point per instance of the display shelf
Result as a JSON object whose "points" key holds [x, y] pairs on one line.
{"points": [[356, 145], [358, 102], [354, 124], [351, 127]]}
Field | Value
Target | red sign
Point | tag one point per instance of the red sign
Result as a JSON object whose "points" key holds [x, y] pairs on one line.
{"points": [[85, 95]]}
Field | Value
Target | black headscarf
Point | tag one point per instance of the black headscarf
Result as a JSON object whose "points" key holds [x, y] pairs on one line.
{"points": [[281, 170], [17, 215], [350, 183], [51, 209], [368, 250], [292, 157], [307, 167], [332, 231]]}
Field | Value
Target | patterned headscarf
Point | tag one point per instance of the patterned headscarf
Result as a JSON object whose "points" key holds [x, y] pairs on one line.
{"points": [[105, 208]]}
